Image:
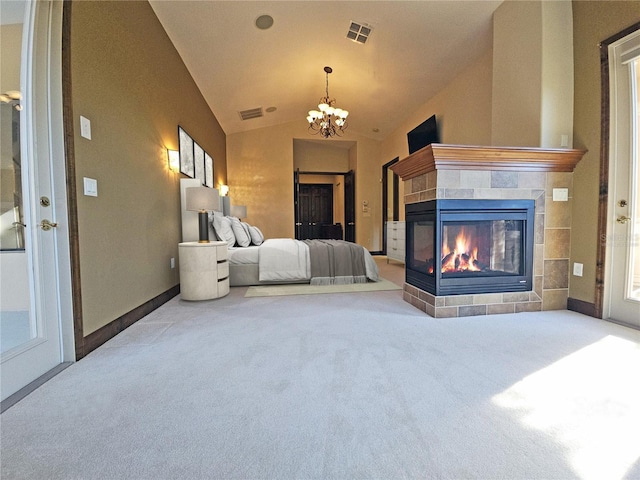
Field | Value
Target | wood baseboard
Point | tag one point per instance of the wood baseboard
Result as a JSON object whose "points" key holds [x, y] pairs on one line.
{"points": [[583, 307], [110, 330]]}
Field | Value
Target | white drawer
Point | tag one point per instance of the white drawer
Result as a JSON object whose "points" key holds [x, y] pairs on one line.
{"points": [[223, 287], [223, 270]]}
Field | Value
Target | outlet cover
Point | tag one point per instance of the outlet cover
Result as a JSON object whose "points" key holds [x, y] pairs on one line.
{"points": [[85, 127], [560, 194]]}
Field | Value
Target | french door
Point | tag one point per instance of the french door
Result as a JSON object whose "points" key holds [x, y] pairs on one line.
{"points": [[316, 210], [622, 284], [37, 322]]}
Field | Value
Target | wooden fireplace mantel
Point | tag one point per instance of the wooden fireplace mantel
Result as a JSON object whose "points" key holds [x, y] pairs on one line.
{"points": [[440, 156]]}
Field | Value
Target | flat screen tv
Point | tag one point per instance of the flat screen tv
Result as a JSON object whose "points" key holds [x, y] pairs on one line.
{"points": [[423, 135]]}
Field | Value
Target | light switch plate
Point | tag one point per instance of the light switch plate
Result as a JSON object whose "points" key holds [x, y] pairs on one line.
{"points": [[577, 269], [90, 187], [85, 127], [560, 194]]}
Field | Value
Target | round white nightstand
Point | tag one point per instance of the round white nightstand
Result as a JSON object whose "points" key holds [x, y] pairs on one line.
{"points": [[204, 270]]}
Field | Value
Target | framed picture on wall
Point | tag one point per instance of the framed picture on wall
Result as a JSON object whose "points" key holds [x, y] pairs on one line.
{"points": [[208, 170], [194, 161], [187, 165], [198, 158]]}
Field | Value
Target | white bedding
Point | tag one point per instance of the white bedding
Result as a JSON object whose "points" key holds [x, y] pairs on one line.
{"points": [[244, 255], [285, 260]]}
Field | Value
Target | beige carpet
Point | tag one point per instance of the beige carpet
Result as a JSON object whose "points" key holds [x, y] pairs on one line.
{"points": [[364, 387], [305, 289]]}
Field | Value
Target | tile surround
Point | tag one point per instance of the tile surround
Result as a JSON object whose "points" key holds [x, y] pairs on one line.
{"points": [[551, 238]]}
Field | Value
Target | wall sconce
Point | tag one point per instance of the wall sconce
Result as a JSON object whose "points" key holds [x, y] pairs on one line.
{"points": [[224, 190], [173, 157]]}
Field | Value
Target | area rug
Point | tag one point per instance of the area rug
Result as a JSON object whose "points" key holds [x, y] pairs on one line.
{"points": [[305, 289]]}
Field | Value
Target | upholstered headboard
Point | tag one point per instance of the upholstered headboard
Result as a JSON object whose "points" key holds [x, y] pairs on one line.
{"points": [[189, 218]]}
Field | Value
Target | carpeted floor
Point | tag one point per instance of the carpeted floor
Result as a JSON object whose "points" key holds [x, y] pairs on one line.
{"points": [[337, 386], [306, 289]]}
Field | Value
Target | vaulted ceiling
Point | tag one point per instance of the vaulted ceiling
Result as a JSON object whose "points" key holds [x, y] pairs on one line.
{"points": [[415, 48]]}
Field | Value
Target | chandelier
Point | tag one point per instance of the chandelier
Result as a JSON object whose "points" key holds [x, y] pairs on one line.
{"points": [[327, 120]]}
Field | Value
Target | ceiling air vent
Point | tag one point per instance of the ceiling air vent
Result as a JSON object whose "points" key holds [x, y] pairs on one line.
{"points": [[359, 32], [251, 113]]}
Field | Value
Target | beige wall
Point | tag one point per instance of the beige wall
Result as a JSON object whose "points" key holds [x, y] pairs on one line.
{"points": [[517, 40], [128, 79], [321, 156], [556, 104], [462, 109], [532, 74], [260, 167], [593, 22]]}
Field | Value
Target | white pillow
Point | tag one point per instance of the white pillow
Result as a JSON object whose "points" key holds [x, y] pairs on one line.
{"points": [[212, 231], [245, 225], [256, 235], [224, 231], [242, 237]]}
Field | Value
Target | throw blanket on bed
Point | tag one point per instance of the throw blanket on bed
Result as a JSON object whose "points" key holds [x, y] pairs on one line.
{"points": [[283, 259], [336, 262], [322, 262]]}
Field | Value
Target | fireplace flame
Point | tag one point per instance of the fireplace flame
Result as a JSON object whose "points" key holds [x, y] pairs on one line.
{"points": [[463, 258]]}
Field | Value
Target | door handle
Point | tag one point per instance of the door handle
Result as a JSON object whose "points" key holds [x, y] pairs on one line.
{"points": [[46, 225], [622, 219], [351, 223]]}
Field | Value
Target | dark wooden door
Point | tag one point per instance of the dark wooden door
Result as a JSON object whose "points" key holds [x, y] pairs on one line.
{"points": [[296, 205], [349, 207], [315, 209]]}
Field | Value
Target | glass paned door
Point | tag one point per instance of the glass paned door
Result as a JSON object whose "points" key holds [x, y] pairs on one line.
{"points": [[634, 250], [622, 284], [17, 325], [35, 270]]}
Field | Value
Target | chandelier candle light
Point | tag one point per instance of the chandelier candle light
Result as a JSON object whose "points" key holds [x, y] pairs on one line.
{"points": [[327, 120]]}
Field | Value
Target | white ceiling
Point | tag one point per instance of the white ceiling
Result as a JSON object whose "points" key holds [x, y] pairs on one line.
{"points": [[414, 50]]}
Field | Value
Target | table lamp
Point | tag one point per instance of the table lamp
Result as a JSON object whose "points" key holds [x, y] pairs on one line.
{"points": [[239, 211], [202, 200]]}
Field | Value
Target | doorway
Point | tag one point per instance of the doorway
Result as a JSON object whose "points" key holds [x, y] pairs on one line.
{"points": [[390, 198], [621, 301], [324, 210], [316, 212]]}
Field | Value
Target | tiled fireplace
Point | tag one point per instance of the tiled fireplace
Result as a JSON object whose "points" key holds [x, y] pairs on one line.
{"points": [[526, 175]]}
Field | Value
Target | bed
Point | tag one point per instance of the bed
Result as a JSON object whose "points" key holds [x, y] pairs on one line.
{"points": [[285, 260], [256, 261]]}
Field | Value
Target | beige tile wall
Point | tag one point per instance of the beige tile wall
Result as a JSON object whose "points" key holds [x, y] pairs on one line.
{"points": [[552, 237]]}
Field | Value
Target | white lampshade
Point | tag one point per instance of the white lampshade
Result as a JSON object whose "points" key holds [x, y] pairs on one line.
{"points": [[239, 211], [201, 199]]}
